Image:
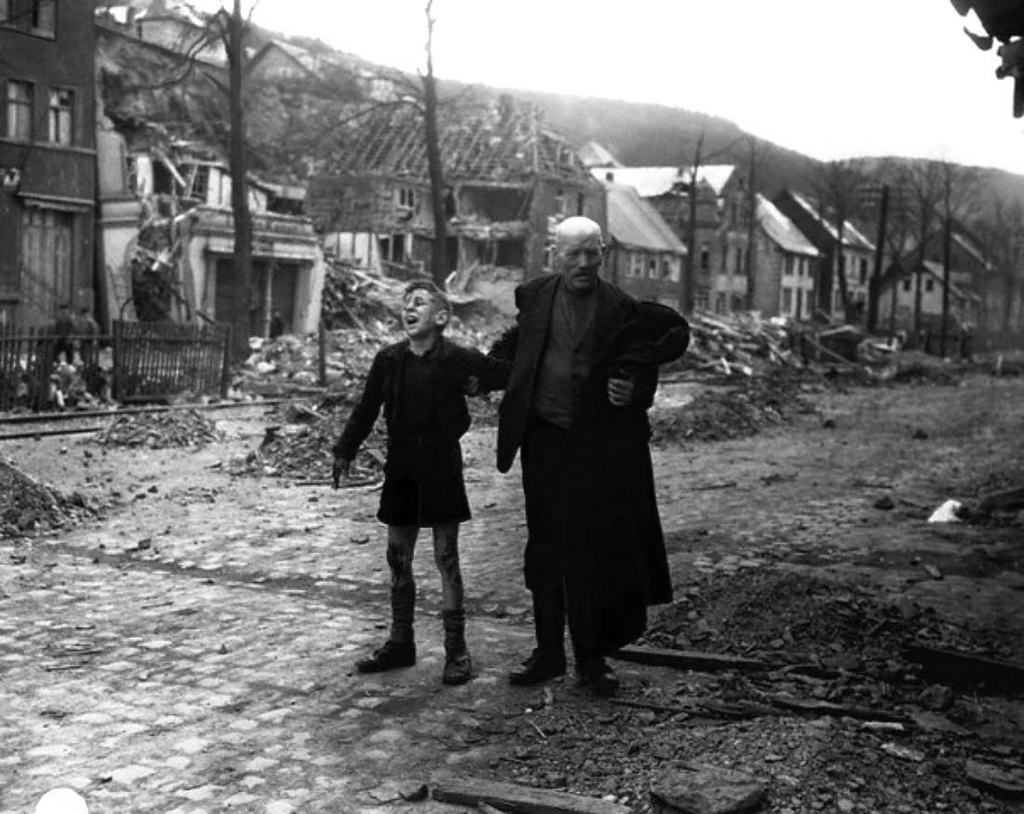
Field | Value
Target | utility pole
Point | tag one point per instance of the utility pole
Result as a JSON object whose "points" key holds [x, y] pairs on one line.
{"points": [[947, 237], [751, 266], [690, 278], [874, 287]]}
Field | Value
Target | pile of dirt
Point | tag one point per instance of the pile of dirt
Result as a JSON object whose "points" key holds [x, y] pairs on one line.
{"points": [[739, 410], [188, 428], [28, 506]]}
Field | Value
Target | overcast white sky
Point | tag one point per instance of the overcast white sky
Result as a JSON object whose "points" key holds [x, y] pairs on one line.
{"points": [[831, 79]]}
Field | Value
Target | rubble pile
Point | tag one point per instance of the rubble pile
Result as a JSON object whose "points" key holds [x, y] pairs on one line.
{"points": [[838, 720], [187, 428], [737, 411], [915, 367], [354, 298], [796, 619], [301, 449], [739, 343], [27, 505]]}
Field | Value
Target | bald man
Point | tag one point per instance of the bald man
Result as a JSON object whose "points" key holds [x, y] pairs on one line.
{"points": [[584, 367]]}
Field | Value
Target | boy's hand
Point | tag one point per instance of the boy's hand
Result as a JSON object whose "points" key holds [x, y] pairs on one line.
{"points": [[340, 469]]}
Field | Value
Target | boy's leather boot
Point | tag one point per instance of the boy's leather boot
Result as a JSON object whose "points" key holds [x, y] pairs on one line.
{"points": [[388, 657], [458, 668]]}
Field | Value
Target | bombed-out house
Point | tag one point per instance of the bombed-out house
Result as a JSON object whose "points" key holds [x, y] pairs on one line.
{"points": [[508, 182], [166, 231]]}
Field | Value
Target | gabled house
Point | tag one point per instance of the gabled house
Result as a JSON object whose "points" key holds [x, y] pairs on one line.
{"points": [[784, 260], [47, 159], [645, 256], [898, 296], [854, 260], [509, 181]]}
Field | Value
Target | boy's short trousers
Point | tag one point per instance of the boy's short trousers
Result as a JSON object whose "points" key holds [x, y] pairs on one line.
{"points": [[423, 484]]}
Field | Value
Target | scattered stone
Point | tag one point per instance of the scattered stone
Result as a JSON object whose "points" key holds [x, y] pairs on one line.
{"points": [[694, 788], [1004, 780]]}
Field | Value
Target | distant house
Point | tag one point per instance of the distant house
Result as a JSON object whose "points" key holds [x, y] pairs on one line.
{"points": [[719, 234], [784, 261], [854, 259], [898, 295], [509, 182], [47, 159], [646, 256]]}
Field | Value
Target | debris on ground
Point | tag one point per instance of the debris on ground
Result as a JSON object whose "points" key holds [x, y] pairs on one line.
{"points": [[736, 411], [184, 428], [26, 505]]}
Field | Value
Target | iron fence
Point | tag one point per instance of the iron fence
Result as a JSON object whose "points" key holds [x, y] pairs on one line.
{"points": [[156, 360], [41, 370]]}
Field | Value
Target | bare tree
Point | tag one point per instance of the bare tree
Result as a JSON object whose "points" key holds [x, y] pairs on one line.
{"points": [[700, 159], [837, 186], [1002, 231], [959, 187], [925, 185], [439, 254]]}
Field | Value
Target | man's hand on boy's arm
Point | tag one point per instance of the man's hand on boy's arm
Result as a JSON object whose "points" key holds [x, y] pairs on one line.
{"points": [[340, 468]]}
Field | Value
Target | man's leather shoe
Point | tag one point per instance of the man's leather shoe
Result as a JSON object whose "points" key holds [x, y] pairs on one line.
{"points": [[596, 674], [539, 667], [388, 657]]}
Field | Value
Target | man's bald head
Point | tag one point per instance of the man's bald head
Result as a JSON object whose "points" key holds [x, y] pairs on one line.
{"points": [[576, 230], [579, 253]]}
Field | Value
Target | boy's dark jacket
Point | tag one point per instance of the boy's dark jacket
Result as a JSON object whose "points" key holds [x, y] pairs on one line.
{"points": [[384, 388]]}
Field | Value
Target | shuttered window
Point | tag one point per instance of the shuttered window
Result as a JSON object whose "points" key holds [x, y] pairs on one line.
{"points": [[18, 110]]}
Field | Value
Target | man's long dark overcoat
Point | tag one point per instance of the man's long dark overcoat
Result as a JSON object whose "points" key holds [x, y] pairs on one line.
{"points": [[612, 522]]}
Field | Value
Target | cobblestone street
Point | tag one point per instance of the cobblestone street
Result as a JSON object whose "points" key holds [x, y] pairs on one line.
{"points": [[193, 651]]}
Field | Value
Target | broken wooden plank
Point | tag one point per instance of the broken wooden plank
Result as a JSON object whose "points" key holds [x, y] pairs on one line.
{"points": [[1007, 501], [956, 668], [687, 659], [814, 707], [512, 797]]}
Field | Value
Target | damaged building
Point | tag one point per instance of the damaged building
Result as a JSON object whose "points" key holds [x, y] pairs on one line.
{"points": [[166, 228], [509, 181]]}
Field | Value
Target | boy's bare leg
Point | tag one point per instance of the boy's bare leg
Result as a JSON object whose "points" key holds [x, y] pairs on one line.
{"points": [[401, 546], [457, 668], [400, 648]]}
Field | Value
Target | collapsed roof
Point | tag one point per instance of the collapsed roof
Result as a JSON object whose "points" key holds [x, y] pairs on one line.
{"points": [[500, 144]]}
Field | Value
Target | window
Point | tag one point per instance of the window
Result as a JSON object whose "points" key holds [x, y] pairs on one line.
{"points": [[37, 17], [705, 257], [200, 182], [652, 268], [906, 284], [636, 265], [787, 265], [799, 303], [739, 260], [787, 300], [863, 270], [407, 197], [19, 111], [60, 116], [670, 268], [929, 285]]}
